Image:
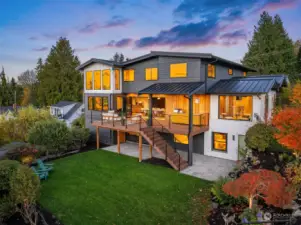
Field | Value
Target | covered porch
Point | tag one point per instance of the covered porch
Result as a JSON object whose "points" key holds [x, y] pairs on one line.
{"points": [[204, 167]]}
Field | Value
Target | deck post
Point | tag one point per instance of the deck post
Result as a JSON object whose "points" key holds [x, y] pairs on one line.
{"points": [[118, 141], [190, 128], [150, 151], [140, 148], [150, 111], [97, 137]]}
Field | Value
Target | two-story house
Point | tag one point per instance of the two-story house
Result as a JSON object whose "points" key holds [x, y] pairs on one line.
{"points": [[195, 102]]}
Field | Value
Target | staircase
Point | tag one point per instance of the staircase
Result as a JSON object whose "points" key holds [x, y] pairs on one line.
{"points": [[164, 148]]}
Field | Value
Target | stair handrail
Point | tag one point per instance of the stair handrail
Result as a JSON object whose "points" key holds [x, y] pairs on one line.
{"points": [[174, 142]]}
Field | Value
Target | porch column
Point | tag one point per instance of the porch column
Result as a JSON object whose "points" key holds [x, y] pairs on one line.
{"points": [[190, 128], [140, 148], [97, 137], [118, 141], [150, 112]]}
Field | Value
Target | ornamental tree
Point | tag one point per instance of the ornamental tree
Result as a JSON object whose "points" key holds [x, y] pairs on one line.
{"points": [[265, 184], [288, 128]]}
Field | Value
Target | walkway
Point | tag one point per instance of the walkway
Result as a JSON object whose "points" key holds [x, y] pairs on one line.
{"points": [[205, 167]]}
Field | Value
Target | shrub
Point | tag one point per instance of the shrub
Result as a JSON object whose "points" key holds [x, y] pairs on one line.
{"points": [[80, 136], [259, 137], [21, 151], [79, 122], [53, 134], [223, 198], [293, 174], [16, 128], [19, 186]]}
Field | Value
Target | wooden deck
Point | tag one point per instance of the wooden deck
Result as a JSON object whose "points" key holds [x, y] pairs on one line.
{"points": [[164, 127]]}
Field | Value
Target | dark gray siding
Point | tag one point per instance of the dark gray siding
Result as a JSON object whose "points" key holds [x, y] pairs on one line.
{"points": [[92, 115], [163, 65], [198, 143]]}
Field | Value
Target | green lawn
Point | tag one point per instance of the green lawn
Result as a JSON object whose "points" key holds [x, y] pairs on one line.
{"points": [[101, 187]]}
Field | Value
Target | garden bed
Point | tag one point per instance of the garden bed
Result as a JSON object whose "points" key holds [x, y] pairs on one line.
{"points": [[50, 219]]}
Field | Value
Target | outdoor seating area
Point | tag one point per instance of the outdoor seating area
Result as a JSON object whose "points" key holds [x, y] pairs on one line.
{"points": [[42, 170]]}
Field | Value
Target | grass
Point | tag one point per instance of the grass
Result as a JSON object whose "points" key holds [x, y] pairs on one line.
{"points": [[100, 187]]}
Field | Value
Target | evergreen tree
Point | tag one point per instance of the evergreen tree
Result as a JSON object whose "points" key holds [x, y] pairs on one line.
{"points": [[121, 58], [299, 61], [58, 78], [4, 90], [271, 51]]}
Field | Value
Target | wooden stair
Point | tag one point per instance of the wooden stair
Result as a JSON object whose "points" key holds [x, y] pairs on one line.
{"points": [[164, 148]]}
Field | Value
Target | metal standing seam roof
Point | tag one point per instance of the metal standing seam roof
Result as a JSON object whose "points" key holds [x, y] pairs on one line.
{"points": [[72, 110], [187, 88], [243, 86], [63, 103]]}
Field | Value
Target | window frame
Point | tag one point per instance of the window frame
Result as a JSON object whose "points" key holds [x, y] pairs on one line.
{"points": [[124, 75], [102, 79], [93, 102], [219, 114], [232, 72], [177, 76], [92, 80], [115, 83], [151, 69], [94, 72], [214, 70], [212, 142]]}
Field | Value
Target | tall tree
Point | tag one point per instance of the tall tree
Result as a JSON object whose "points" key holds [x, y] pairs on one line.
{"points": [[4, 90], [58, 78], [299, 61], [119, 57], [28, 82], [271, 51]]}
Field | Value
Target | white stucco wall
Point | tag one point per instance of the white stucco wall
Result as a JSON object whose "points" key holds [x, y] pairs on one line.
{"points": [[233, 128], [100, 66]]}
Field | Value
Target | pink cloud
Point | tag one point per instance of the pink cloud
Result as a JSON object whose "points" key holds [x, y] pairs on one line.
{"points": [[282, 4]]}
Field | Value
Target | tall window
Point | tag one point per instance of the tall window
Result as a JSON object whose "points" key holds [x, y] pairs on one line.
{"points": [[90, 103], [211, 71], [106, 79], [151, 74], [230, 72], [89, 80], [245, 74], [119, 103], [219, 141], [129, 75], [97, 80], [98, 103], [235, 107], [178, 70], [117, 79]]}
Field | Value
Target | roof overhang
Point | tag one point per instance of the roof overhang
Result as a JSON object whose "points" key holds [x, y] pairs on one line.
{"points": [[184, 88]]}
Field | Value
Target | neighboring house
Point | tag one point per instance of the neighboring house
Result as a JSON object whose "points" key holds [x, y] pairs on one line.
{"points": [[200, 103], [8, 111], [67, 111]]}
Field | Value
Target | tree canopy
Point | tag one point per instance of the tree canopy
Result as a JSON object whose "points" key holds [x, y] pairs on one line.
{"points": [[57, 77], [271, 51]]}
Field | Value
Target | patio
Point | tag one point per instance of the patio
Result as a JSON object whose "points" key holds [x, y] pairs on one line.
{"points": [[204, 167]]}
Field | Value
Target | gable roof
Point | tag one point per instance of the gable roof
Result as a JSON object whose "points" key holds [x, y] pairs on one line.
{"points": [[153, 54], [249, 85], [186, 88], [63, 103], [72, 110]]}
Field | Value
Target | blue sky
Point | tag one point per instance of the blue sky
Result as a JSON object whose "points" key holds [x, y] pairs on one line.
{"points": [[99, 28]]}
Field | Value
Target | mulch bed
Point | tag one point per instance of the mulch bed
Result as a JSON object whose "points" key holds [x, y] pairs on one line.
{"points": [[16, 219], [157, 161]]}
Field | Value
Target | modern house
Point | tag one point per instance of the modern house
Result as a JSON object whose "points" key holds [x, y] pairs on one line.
{"points": [[194, 102], [67, 111]]}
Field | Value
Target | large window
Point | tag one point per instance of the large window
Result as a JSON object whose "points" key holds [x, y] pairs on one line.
{"points": [[97, 80], [244, 74], [211, 71], [178, 70], [106, 79], [219, 141], [117, 79], [98, 103], [151, 74], [89, 80], [129, 75], [181, 138], [235, 107], [230, 72]]}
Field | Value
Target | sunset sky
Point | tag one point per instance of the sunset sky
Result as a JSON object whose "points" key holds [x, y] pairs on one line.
{"points": [[99, 28]]}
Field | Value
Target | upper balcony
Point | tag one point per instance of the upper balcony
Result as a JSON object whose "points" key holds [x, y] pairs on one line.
{"points": [[102, 79]]}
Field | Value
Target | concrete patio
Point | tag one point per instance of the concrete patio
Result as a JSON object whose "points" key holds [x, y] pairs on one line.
{"points": [[205, 167]]}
